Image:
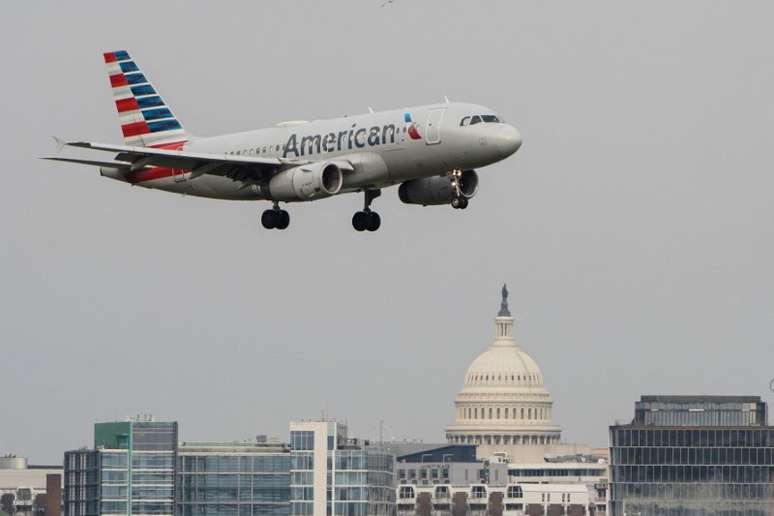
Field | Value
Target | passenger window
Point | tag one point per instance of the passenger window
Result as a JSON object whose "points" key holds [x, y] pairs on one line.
{"points": [[491, 119], [465, 121], [475, 120]]}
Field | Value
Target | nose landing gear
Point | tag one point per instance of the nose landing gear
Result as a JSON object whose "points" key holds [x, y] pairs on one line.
{"points": [[367, 219], [459, 201], [275, 218]]}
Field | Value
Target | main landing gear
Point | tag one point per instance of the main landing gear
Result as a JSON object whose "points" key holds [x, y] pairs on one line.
{"points": [[458, 202], [275, 218], [367, 219]]}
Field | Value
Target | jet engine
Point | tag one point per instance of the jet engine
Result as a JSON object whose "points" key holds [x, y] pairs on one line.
{"points": [[438, 189], [306, 182]]}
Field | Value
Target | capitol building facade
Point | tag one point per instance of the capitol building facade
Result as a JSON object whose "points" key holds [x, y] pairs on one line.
{"points": [[504, 407]]}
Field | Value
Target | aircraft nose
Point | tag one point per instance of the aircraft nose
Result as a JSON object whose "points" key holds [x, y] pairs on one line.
{"points": [[509, 140]]}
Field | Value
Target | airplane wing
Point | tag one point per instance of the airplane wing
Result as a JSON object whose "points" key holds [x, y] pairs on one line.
{"points": [[239, 168], [112, 164], [247, 169]]}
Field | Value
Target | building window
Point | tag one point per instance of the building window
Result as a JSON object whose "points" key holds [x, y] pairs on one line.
{"points": [[514, 492], [490, 412]]}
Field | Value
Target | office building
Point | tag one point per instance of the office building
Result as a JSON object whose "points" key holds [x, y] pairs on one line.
{"points": [[333, 474], [233, 478], [693, 455], [130, 470], [486, 500], [451, 464], [25, 488], [450, 480]]}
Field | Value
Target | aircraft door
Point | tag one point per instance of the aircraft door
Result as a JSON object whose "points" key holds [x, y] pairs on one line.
{"points": [[433, 126]]}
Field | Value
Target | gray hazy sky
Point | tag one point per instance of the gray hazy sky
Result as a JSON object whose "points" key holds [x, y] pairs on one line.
{"points": [[634, 227]]}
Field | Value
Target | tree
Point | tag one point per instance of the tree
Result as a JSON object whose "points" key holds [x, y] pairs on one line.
{"points": [[6, 504]]}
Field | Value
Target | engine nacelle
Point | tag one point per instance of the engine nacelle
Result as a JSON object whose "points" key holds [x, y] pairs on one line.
{"points": [[306, 182], [438, 189]]}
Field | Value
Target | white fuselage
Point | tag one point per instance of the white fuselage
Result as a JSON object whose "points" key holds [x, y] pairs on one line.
{"points": [[384, 148]]}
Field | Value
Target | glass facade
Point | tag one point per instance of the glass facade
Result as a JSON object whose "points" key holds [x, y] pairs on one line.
{"points": [[81, 484], [686, 467], [358, 479], [152, 473], [244, 479], [700, 411], [130, 471]]}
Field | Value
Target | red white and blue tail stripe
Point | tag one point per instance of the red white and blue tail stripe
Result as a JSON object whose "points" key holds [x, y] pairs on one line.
{"points": [[146, 120]]}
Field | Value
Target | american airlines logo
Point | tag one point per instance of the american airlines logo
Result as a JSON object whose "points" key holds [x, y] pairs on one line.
{"points": [[350, 139]]}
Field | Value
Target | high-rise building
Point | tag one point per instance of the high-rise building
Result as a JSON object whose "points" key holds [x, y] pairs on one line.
{"points": [[693, 455], [233, 478], [130, 470], [333, 474]]}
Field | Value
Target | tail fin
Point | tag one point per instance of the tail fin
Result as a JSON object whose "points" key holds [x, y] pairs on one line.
{"points": [[146, 120]]}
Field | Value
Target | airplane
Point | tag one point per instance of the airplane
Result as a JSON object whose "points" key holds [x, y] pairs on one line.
{"points": [[431, 151]]}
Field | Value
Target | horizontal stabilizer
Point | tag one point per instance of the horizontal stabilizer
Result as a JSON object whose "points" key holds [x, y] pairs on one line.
{"points": [[111, 164]]}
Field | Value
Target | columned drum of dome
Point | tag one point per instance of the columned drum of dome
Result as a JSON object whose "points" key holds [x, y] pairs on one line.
{"points": [[503, 405]]}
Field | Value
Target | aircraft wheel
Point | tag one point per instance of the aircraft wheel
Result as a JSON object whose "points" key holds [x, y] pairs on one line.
{"points": [[282, 219], [374, 221], [360, 221], [456, 202], [463, 203], [269, 219]]}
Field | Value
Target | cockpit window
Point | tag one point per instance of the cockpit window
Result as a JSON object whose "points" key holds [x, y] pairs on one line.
{"points": [[475, 120], [490, 119], [465, 121]]}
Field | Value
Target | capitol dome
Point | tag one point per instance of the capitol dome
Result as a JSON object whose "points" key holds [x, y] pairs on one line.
{"points": [[503, 404]]}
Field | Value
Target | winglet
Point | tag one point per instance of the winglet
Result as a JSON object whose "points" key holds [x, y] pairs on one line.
{"points": [[446, 99], [60, 143]]}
